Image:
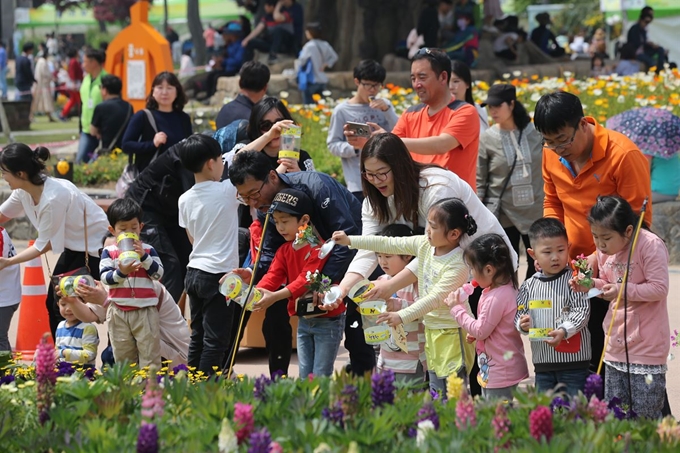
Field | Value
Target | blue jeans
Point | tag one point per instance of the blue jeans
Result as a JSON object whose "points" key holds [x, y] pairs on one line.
{"points": [[312, 89], [318, 341], [3, 82], [87, 144], [211, 320], [569, 381]]}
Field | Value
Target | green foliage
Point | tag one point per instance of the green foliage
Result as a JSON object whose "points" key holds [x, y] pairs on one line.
{"points": [[104, 170], [104, 415], [94, 37]]}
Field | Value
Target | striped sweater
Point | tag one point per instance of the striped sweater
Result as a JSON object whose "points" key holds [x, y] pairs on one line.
{"points": [[437, 276], [135, 290], [570, 310], [393, 358], [78, 343]]}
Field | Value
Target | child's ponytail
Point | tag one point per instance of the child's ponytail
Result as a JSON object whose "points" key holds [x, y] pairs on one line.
{"points": [[613, 213], [454, 215]]}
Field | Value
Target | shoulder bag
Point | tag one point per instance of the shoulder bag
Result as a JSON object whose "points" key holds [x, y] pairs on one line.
{"points": [[130, 172], [84, 270], [101, 149], [305, 74], [493, 204]]}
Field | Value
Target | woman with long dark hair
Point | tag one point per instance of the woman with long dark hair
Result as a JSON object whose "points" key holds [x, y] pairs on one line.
{"points": [[403, 193], [509, 175], [63, 215], [161, 124], [460, 85]]}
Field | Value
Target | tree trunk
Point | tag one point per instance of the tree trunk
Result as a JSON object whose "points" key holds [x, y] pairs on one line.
{"points": [[165, 14], [196, 29]]}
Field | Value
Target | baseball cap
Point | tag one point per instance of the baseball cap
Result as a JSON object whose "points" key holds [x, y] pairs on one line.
{"points": [[233, 28], [500, 93], [293, 201]]}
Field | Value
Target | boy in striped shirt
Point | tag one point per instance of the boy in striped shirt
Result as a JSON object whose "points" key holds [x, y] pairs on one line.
{"points": [[546, 301], [76, 341], [132, 315], [407, 366]]}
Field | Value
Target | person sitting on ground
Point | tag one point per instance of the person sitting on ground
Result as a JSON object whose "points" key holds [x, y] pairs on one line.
{"points": [[253, 80], [598, 67], [132, 316], [186, 65], [279, 37], [628, 64], [544, 38], [446, 20], [76, 341], [648, 52], [465, 43], [111, 117], [297, 14], [321, 55], [505, 44], [363, 107]]}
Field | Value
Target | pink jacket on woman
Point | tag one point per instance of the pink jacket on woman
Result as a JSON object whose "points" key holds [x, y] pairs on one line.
{"points": [[647, 313]]}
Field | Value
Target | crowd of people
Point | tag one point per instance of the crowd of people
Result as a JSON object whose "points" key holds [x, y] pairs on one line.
{"points": [[434, 199]]}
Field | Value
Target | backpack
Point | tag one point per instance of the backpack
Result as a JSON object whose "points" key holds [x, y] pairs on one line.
{"points": [[305, 74], [231, 134]]}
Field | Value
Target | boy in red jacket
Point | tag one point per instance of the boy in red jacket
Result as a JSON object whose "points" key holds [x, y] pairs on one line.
{"points": [[318, 338]]}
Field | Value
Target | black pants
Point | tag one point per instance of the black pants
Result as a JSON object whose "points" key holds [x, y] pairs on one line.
{"points": [[69, 260], [475, 388], [211, 321], [279, 41], [277, 332], [514, 236], [361, 355], [598, 310], [173, 248]]}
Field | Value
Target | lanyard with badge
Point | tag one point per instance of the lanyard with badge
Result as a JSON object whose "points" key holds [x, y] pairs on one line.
{"points": [[522, 190]]}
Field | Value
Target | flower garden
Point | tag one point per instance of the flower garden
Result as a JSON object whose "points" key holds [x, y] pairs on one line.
{"points": [[54, 407], [602, 98]]}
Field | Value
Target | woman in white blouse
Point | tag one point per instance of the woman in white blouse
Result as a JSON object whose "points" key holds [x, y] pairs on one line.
{"points": [[57, 209]]}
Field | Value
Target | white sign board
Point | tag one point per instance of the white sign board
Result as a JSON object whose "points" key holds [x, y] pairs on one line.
{"points": [[136, 79]]}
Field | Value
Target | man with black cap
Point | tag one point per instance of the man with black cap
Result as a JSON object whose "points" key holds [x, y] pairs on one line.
{"points": [[319, 332], [334, 209]]}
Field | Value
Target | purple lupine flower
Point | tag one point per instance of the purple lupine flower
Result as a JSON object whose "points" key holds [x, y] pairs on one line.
{"points": [[147, 440], [45, 375], [260, 441], [434, 394], [243, 420], [594, 386], [7, 379], [89, 373], [412, 432], [382, 388], [427, 412], [260, 388], [349, 399], [278, 374], [334, 414]]}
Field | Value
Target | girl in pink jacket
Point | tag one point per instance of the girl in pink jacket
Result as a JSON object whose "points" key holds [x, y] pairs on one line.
{"points": [[640, 337], [500, 352]]}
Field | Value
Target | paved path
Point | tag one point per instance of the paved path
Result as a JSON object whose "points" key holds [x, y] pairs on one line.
{"points": [[253, 362]]}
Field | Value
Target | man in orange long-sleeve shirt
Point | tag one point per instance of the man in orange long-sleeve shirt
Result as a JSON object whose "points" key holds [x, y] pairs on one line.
{"points": [[581, 161]]}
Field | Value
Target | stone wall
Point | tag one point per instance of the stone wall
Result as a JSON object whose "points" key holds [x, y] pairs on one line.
{"points": [[666, 223]]}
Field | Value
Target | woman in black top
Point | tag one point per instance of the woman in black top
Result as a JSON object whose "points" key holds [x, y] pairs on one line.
{"points": [[166, 101], [267, 119]]}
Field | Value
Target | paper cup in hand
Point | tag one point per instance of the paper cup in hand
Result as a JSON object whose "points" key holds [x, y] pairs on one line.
{"points": [[326, 248], [358, 291]]}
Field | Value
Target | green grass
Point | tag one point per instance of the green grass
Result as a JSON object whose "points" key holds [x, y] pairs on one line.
{"points": [[314, 142]]}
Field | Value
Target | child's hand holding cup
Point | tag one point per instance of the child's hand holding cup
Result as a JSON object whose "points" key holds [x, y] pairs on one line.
{"points": [[341, 238]]}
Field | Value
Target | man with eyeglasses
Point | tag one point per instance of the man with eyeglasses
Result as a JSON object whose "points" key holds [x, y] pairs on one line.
{"points": [[442, 130], [335, 209], [582, 161], [363, 107]]}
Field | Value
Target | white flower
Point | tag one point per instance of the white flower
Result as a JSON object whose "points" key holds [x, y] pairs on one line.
{"points": [[597, 92], [567, 74], [649, 379], [326, 93], [284, 94], [226, 441], [535, 97], [517, 73], [506, 75], [621, 99], [198, 121], [199, 113], [322, 448], [423, 427]]}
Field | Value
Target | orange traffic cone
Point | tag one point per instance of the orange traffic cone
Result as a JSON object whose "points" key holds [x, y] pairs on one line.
{"points": [[33, 318]]}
